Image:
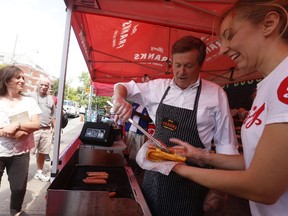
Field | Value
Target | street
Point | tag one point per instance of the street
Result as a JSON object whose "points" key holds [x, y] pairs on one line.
{"points": [[35, 198]]}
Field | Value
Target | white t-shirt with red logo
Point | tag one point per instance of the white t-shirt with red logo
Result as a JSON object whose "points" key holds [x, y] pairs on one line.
{"points": [[270, 106]]}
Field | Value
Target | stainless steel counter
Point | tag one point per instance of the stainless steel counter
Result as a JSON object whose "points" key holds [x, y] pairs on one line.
{"points": [[68, 195]]}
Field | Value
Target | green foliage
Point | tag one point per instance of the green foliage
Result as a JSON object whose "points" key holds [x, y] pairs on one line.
{"points": [[102, 101], [84, 78], [55, 87], [81, 94]]}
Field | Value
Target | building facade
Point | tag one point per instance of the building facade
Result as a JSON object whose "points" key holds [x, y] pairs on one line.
{"points": [[32, 72]]}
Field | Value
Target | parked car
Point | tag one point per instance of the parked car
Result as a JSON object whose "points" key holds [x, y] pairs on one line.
{"points": [[71, 108]]}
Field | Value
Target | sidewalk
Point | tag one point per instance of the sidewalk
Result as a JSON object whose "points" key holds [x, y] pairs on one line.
{"points": [[35, 201]]}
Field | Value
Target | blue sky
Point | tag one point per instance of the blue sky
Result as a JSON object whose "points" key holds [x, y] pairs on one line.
{"points": [[36, 27]]}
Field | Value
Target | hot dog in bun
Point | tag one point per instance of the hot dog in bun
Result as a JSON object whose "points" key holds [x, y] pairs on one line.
{"points": [[156, 155]]}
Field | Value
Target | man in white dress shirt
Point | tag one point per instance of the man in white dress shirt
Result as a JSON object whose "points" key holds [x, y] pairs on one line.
{"points": [[185, 107]]}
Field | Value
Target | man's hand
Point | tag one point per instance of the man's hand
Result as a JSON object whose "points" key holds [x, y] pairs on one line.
{"points": [[122, 109]]}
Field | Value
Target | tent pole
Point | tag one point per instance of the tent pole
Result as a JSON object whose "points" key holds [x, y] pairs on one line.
{"points": [[61, 88], [89, 111]]}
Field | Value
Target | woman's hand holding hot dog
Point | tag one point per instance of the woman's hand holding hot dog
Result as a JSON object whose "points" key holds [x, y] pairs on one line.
{"points": [[196, 155], [203, 157]]}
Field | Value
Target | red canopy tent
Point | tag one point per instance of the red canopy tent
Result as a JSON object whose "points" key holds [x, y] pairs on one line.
{"points": [[123, 40]]}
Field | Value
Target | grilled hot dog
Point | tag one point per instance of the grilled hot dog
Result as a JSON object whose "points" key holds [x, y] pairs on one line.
{"points": [[94, 181]]}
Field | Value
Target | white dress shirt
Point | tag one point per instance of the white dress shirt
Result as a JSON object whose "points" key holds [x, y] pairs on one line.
{"points": [[214, 120]]}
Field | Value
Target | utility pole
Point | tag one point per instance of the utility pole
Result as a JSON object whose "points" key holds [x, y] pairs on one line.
{"points": [[90, 104]]}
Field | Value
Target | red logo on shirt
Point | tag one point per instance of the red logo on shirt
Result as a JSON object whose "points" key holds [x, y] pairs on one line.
{"points": [[282, 91], [254, 118]]}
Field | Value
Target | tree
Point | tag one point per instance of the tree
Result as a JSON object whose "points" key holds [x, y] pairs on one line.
{"points": [[69, 92], [102, 101], [81, 94], [97, 102], [85, 79], [55, 87]]}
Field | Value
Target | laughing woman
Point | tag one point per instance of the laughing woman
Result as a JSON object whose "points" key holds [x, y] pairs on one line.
{"points": [[19, 118], [254, 34]]}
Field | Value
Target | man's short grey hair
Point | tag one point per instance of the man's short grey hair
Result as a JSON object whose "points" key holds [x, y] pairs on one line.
{"points": [[44, 79]]}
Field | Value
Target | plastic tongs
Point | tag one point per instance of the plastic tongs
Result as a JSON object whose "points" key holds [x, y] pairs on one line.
{"points": [[155, 141]]}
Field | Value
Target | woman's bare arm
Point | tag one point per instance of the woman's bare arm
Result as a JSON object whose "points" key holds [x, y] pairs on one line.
{"points": [[264, 181]]}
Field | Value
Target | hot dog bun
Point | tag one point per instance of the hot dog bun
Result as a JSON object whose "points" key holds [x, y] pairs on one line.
{"points": [[156, 155]]}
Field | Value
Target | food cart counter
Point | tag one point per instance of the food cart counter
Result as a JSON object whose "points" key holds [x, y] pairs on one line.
{"points": [[69, 195]]}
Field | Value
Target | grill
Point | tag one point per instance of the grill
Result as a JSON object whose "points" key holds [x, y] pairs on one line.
{"points": [[69, 195], [118, 181]]}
